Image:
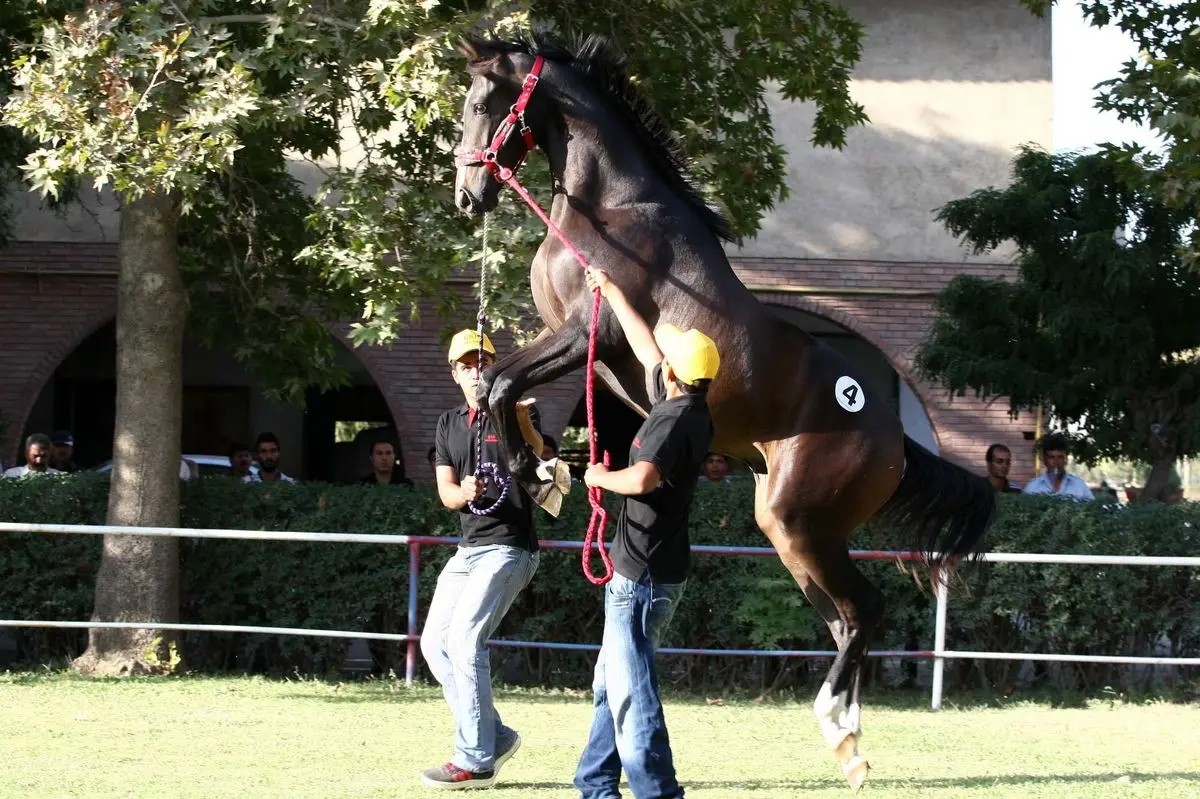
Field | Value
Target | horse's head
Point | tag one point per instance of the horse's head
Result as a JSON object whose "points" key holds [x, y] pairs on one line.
{"points": [[497, 79]]}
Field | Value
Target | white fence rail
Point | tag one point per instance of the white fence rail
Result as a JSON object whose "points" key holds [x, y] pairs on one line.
{"points": [[939, 654]]}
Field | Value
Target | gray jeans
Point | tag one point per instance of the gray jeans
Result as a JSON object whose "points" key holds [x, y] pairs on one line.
{"points": [[474, 591]]}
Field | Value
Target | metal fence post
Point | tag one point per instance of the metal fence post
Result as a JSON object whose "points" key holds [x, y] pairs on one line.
{"points": [[939, 641], [414, 569]]}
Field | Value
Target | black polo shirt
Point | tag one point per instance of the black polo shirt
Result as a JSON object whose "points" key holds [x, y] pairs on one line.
{"points": [[652, 533], [512, 522]]}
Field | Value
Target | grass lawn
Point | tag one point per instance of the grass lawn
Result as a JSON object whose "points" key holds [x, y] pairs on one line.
{"points": [[61, 736]]}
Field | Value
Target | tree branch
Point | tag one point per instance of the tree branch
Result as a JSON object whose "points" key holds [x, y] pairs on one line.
{"points": [[179, 11]]}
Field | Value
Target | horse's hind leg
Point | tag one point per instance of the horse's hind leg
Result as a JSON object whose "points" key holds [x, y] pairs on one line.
{"points": [[850, 605]]}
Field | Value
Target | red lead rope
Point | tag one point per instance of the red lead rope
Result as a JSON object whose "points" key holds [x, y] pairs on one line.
{"points": [[487, 157], [599, 519]]}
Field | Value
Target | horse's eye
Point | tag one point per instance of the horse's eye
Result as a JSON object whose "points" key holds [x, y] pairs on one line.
{"points": [[480, 108]]}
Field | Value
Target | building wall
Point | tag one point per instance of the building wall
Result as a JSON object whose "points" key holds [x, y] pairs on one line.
{"points": [[952, 87]]}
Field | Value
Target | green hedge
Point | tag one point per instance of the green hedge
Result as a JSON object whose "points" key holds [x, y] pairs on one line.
{"points": [[730, 603]]}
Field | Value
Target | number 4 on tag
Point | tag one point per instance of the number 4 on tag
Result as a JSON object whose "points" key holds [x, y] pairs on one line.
{"points": [[849, 394]]}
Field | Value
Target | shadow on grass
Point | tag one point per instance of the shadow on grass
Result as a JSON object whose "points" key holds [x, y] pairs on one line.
{"points": [[948, 782], [930, 783]]}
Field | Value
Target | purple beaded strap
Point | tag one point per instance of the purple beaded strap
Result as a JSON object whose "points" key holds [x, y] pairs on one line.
{"points": [[504, 481], [485, 469]]}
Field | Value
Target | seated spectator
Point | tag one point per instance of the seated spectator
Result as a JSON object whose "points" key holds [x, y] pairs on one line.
{"points": [[385, 469], [1056, 480], [999, 461], [267, 445], [38, 450], [715, 469], [240, 460], [64, 450]]}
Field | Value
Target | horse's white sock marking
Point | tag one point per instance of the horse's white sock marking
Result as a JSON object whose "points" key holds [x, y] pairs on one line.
{"points": [[851, 719], [831, 711]]}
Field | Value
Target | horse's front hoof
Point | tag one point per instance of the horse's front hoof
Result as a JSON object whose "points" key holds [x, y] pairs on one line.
{"points": [[557, 472], [546, 495], [854, 766], [856, 772]]}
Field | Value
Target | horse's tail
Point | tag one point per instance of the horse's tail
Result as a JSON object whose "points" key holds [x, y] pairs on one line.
{"points": [[946, 508]]}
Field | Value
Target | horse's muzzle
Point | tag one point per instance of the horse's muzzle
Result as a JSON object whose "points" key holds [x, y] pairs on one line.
{"points": [[467, 202]]}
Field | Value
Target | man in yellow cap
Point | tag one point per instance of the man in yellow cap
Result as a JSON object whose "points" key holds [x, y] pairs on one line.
{"points": [[495, 560], [650, 554]]}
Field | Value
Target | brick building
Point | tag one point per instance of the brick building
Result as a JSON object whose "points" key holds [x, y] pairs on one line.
{"points": [[854, 256]]}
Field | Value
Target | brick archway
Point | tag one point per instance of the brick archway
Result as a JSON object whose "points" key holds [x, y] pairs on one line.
{"points": [[37, 359], [376, 361], [40, 363], [856, 321]]}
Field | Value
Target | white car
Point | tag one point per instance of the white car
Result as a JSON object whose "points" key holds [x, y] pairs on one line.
{"points": [[208, 464]]}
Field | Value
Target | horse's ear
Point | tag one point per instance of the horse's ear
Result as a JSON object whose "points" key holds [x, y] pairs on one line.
{"points": [[468, 49], [477, 53]]}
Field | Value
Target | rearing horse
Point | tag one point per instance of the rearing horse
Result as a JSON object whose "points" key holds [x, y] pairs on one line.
{"points": [[827, 454]]}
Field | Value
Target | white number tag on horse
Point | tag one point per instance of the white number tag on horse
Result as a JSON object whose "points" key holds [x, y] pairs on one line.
{"points": [[849, 394]]}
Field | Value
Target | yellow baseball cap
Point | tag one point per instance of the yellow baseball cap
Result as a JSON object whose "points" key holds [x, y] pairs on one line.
{"points": [[693, 356], [465, 341]]}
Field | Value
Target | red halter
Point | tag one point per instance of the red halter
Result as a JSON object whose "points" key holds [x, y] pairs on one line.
{"points": [[505, 175], [487, 156]]}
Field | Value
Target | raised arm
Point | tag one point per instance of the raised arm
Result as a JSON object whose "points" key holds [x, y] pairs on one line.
{"points": [[637, 332]]}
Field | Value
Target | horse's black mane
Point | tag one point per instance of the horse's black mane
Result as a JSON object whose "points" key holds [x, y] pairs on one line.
{"points": [[595, 58]]}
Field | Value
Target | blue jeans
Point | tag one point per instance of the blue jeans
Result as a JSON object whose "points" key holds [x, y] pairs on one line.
{"points": [[474, 591], [628, 728]]}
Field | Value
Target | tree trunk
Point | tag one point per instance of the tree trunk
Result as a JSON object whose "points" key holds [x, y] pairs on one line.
{"points": [[1160, 476], [139, 576]]}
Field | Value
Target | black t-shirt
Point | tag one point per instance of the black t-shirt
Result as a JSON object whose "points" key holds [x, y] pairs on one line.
{"points": [[512, 522], [653, 529]]}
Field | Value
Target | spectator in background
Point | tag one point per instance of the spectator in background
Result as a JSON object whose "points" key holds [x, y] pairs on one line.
{"points": [[999, 461], [38, 449], [715, 469], [240, 460], [267, 447], [64, 451], [1056, 480], [385, 469]]}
